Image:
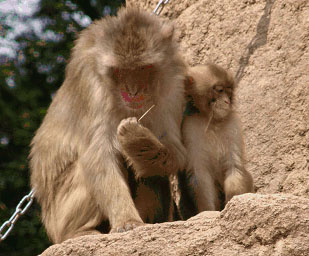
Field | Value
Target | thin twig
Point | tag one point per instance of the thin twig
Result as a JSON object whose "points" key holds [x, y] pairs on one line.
{"points": [[210, 118], [145, 113]]}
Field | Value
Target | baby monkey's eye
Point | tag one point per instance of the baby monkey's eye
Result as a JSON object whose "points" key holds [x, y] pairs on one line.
{"points": [[218, 88]]}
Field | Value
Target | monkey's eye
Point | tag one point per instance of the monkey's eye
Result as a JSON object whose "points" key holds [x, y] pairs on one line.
{"points": [[218, 88], [116, 71], [147, 67]]}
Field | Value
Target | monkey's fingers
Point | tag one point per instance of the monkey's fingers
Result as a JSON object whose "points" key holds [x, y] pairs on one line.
{"points": [[133, 133], [128, 125], [126, 227]]}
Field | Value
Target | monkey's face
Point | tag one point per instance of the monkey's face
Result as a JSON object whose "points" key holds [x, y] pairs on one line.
{"points": [[212, 89], [135, 86], [126, 46], [220, 99]]}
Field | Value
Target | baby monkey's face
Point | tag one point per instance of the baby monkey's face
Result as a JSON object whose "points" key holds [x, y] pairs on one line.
{"points": [[211, 89], [220, 100]]}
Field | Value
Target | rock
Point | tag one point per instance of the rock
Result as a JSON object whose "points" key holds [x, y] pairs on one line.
{"points": [[265, 44], [251, 224]]}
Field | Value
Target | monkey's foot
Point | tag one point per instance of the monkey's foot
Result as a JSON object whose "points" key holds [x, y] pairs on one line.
{"points": [[127, 226]]}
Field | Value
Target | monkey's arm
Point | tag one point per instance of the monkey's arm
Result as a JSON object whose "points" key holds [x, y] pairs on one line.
{"points": [[104, 178], [144, 151], [237, 180]]}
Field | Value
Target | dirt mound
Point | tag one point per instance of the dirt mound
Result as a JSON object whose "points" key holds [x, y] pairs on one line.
{"points": [[265, 44]]}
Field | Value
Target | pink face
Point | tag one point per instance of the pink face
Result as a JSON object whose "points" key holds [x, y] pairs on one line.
{"points": [[134, 85]]}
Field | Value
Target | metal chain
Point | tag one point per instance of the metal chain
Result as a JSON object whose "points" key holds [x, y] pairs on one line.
{"points": [[160, 7], [7, 226]]}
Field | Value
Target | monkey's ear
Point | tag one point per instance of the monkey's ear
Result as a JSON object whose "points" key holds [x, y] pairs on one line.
{"points": [[189, 82], [167, 31]]}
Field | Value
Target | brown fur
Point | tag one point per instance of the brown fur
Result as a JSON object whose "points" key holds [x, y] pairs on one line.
{"points": [[77, 156], [213, 138]]}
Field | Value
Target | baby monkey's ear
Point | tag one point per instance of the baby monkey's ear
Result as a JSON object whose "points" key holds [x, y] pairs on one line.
{"points": [[189, 83]]}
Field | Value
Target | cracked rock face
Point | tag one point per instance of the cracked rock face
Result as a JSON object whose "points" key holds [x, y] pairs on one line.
{"points": [[265, 43]]}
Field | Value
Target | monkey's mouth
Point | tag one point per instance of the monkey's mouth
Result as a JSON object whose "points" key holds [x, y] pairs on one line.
{"points": [[134, 102]]}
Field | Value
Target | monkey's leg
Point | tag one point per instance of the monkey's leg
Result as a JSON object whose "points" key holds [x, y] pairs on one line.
{"points": [[237, 181], [187, 206], [73, 213], [103, 175], [205, 190], [153, 199], [143, 150]]}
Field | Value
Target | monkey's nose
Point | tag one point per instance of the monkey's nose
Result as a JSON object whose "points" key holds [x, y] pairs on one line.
{"points": [[133, 93]]}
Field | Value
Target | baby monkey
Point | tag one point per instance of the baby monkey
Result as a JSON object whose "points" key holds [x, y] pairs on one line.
{"points": [[213, 138]]}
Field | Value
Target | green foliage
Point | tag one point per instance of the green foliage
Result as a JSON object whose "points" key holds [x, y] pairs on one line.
{"points": [[27, 83]]}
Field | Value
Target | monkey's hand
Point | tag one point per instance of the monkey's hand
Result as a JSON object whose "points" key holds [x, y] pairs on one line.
{"points": [[143, 150]]}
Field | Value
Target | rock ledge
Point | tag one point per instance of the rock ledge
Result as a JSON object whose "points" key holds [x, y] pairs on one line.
{"points": [[251, 224]]}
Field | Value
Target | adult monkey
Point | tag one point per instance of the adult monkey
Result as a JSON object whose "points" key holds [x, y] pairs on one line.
{"points": [[120, 67]]}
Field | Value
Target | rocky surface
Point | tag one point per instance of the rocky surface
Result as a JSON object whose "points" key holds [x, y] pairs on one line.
{"points": [[251, 224], [265, 43]]}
